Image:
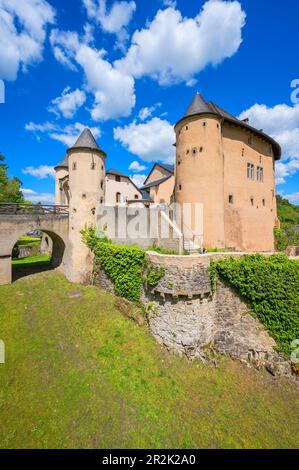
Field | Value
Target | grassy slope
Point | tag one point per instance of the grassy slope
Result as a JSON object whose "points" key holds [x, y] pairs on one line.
{"points": [[79, 374], [38, 261]]}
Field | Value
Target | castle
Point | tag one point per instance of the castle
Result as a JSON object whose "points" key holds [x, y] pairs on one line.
{"points": [[222, 163]]}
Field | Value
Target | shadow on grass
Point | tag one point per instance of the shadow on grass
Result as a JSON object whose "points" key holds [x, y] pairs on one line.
{"points": [[31, 265]]}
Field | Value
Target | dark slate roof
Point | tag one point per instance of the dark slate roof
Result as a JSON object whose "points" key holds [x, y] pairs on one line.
{"points": [[155, 183], [145, 195], [200, 106], [115, 172], [63, 164], [86, 140], [167, 167]]}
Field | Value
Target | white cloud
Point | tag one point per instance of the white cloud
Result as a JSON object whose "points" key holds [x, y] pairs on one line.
{"points": [[68, 103], [150, 141], [41, 172], [147, 112], [173, 49], [293, 198], [66, 135], [138, 180], [282, 123], [35, 197], [113, 90], [136, 167], [114, 21], [170, 3], [23, 26]]}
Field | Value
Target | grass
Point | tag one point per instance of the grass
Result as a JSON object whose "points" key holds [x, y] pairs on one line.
{"points": [[79, 374], [38, 261], [28, 241]]}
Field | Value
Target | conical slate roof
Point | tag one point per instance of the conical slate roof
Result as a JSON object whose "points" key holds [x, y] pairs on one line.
{"points": [[200, 106], [86, 140], [197, 106], [63, 164]]}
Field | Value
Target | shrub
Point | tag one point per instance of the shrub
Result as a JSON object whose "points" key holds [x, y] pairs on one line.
{"points": [[270, 285], [123, 264]]}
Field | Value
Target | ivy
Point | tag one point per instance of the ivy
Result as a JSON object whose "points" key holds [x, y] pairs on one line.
{"points": [[271, 286], [124, 265]]}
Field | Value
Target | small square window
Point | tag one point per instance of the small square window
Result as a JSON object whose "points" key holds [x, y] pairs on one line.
{"points": [[231, 199], [117, 178]]}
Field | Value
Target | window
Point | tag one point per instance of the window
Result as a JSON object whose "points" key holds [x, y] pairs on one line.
{"points": [[118, 195], [180, 187], [102, 184], [250, 171], [264, 202], [204, 124], [187, 128], [187, 151], [74, 166], [179, 162], [194, 151], [117, 178], [252, 201], [243, 152], [231, 199], [136, 196], [200, 149], [250, 140], [93, 165], [102, 200], [260, 174]]}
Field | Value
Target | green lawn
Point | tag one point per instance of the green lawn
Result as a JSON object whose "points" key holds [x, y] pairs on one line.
{"points": [[28, 241], [79, 373], [38, 261]]}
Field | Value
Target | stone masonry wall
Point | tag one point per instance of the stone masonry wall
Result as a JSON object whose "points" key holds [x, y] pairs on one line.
{"points": [[186, 318]]}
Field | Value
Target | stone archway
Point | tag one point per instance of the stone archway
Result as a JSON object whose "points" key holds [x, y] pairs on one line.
{"points": [[57, 255]]}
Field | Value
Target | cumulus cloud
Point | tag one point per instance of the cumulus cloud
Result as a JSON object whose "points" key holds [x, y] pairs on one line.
{"points": [[68, 103], [147, 112], [282, 123], [173, 49], [42, 172], [35, 197], [66, 135], [115, 20], [23, 26], [136, 167], [150, 141], [113, 90], [138, 180]]}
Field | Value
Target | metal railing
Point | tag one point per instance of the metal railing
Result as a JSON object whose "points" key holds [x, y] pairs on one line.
{"points": [[32, 209]]}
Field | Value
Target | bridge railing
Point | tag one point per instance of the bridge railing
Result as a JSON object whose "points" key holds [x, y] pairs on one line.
{"points": [[32, 209]]}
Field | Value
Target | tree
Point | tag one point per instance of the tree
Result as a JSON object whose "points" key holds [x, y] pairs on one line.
{"points": [[10, 188]]}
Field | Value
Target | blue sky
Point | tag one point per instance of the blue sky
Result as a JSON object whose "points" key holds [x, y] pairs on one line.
{"points": [[129, 69]]}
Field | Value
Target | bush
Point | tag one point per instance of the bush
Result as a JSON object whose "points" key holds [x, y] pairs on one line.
{"points": [[123, 264], [270, 285]]}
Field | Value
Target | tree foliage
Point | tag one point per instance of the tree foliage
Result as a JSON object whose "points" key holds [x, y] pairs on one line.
{"points": [[10, 188]]}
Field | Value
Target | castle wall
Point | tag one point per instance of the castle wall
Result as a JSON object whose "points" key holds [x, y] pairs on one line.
{"points": [[59, 196], [199, 174], [87, 189], [125, 187], [250, 218], [163, 192]]}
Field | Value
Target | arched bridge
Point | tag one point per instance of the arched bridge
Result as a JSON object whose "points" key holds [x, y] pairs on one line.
{"points": [[16, 220]]}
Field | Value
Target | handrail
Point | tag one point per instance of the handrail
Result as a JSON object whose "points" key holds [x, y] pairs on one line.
{"points": [[7, 208]]}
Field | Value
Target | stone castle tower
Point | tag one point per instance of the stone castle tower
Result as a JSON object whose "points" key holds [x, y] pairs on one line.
{"points": [[227, 166], [80, 183]]}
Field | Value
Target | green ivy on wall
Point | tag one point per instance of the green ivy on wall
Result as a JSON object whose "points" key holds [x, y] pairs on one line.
{"points": [[271, 286], [125, 265]]}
